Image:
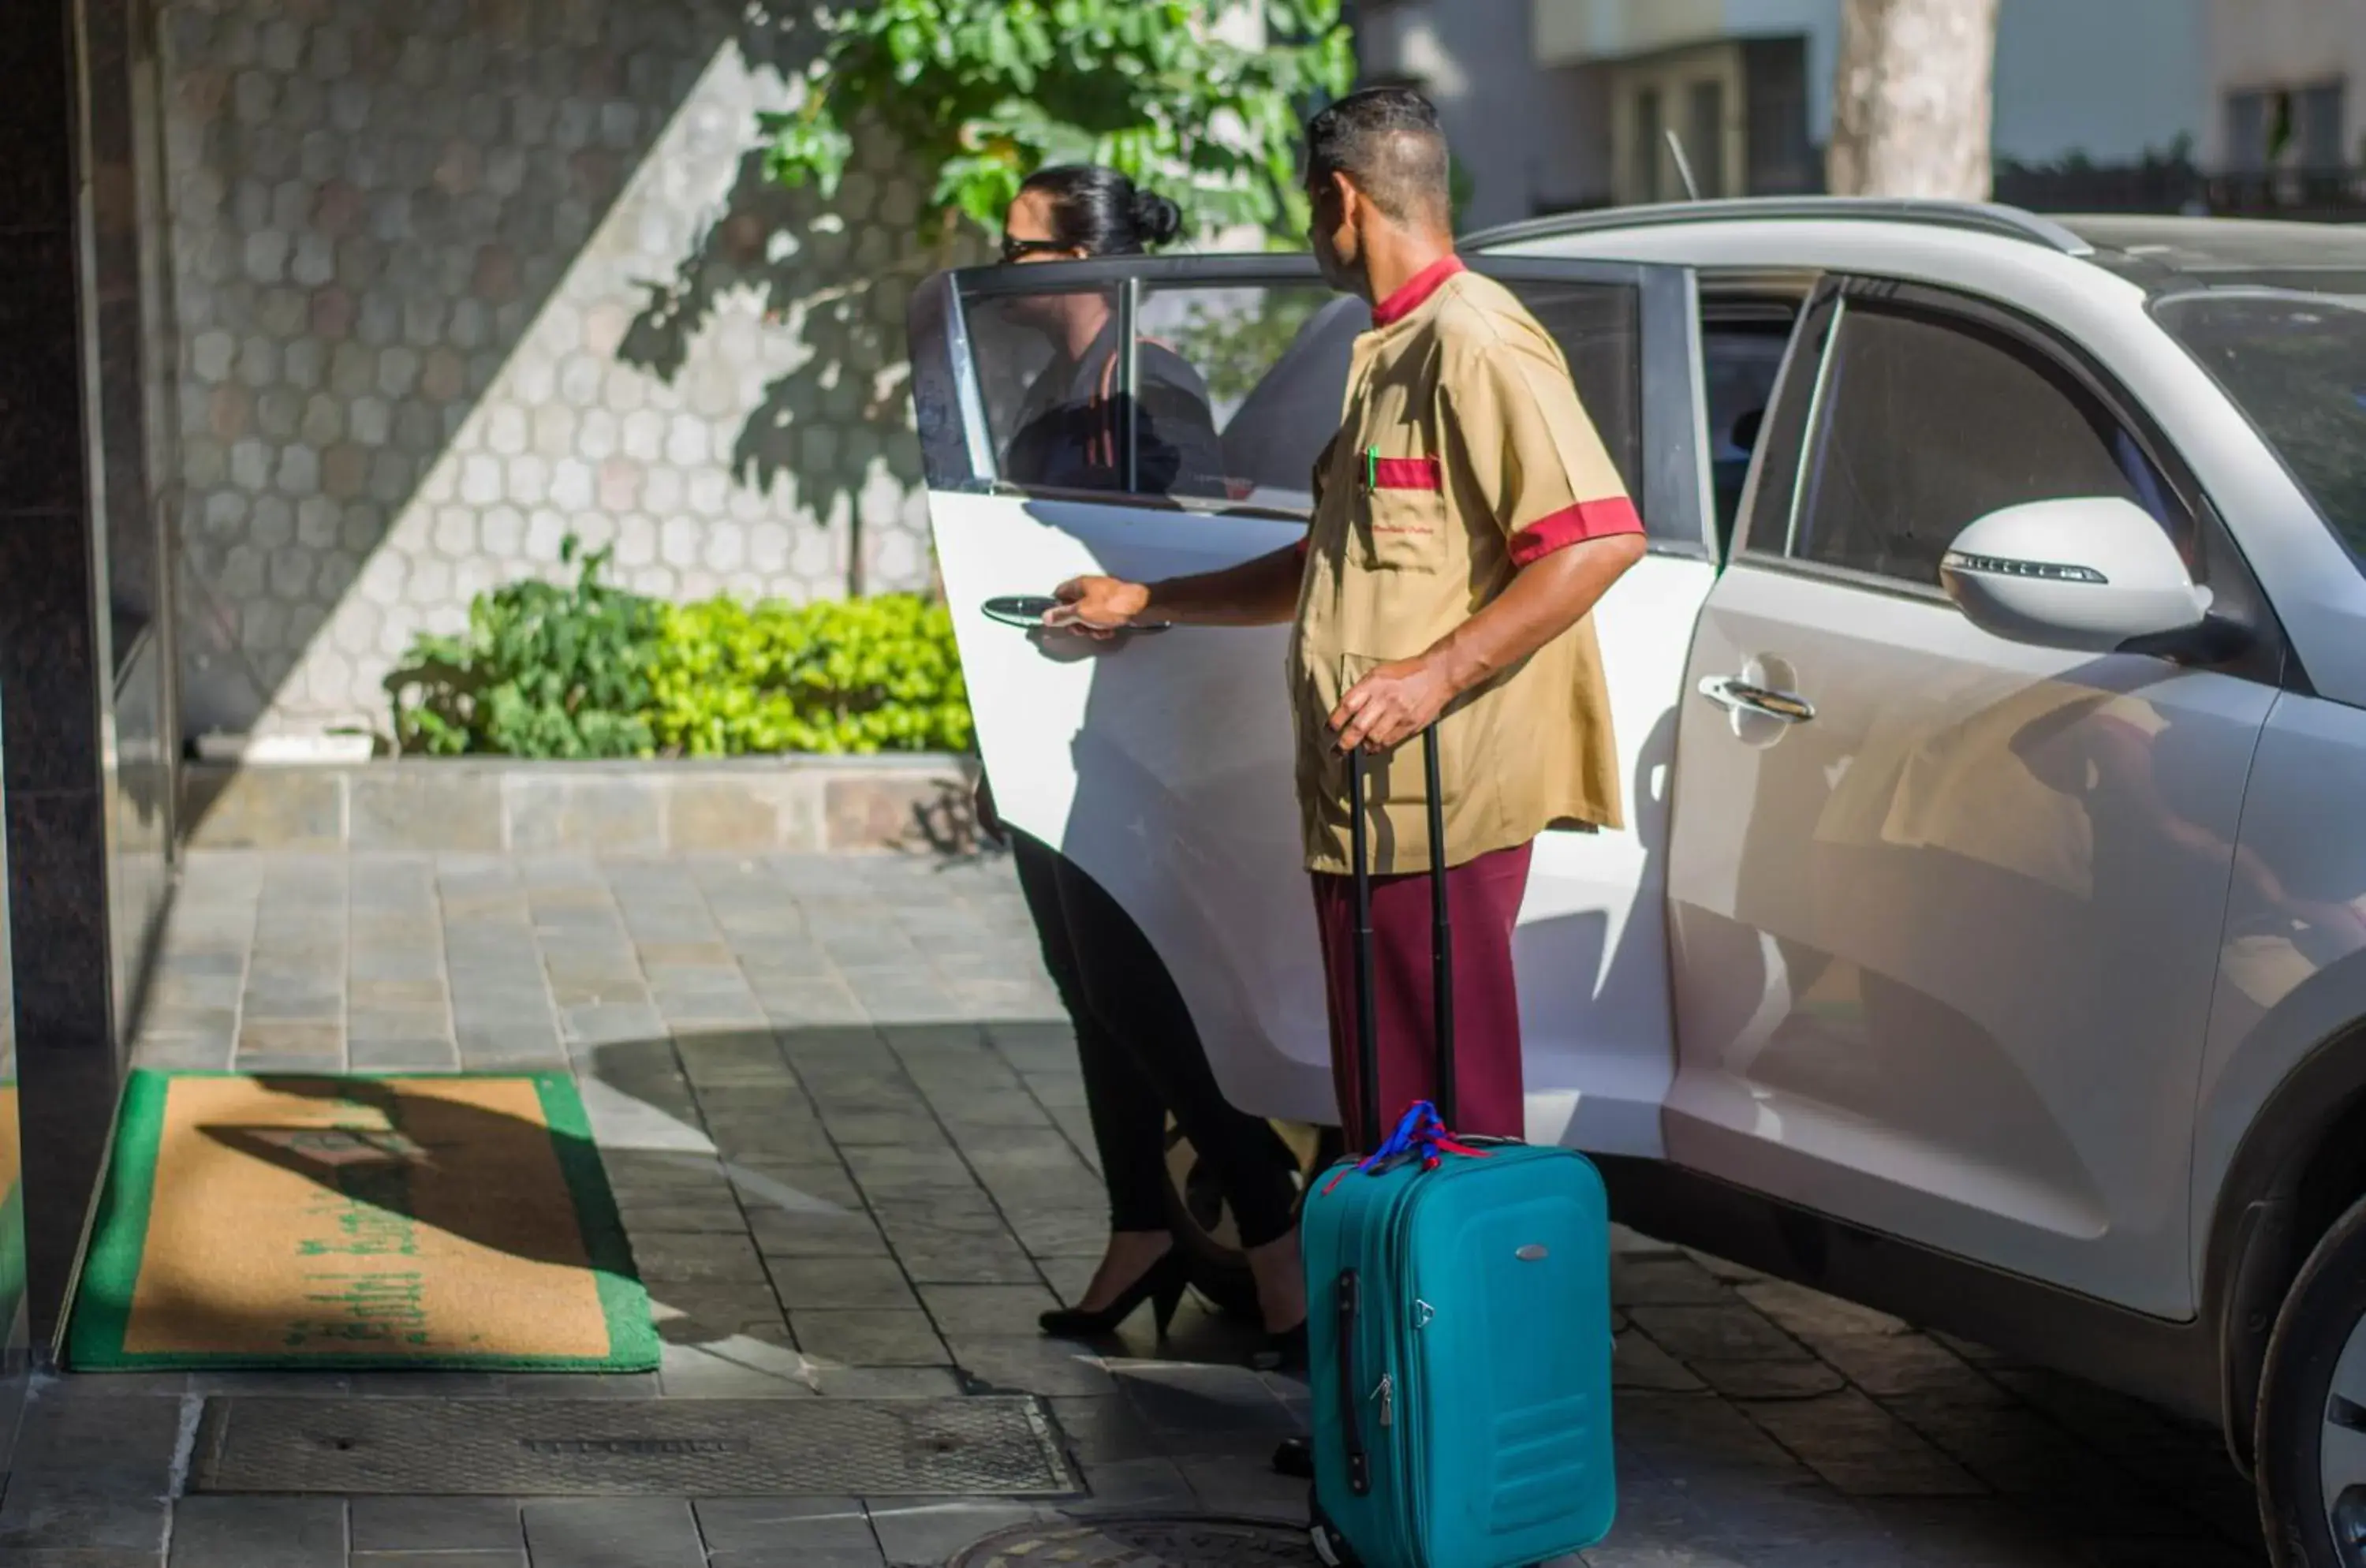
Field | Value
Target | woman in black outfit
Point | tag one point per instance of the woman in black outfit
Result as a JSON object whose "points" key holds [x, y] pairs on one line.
{"points": [[1140, 1053]]}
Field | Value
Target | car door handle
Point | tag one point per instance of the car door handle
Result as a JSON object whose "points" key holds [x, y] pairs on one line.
{"points": [[1733, 692], [1025, 611]]}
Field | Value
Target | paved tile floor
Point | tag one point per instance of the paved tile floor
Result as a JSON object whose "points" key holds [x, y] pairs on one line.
{"points": [[852, 1153]]}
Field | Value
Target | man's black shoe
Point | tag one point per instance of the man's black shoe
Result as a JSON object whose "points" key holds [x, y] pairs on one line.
{"points": [[1295, 1458]]}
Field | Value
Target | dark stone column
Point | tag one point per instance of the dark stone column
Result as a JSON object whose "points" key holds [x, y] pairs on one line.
{"points": [[54, 656]]}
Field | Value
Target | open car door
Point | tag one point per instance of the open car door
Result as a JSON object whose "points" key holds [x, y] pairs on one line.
{"points": [[1160, 763]]}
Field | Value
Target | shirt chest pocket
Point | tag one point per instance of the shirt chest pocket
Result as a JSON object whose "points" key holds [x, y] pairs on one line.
{"points": [[1402, 508]]}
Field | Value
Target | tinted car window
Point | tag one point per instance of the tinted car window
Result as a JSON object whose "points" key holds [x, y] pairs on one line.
{"points": [[1272, 362], [2296, 364], [1739, 361], [1240, 387], [1598, 326], [1930, 423], [1281, 426], [1066, 411], [1782, 435]]}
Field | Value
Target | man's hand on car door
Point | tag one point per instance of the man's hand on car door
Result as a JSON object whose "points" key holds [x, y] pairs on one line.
{"points": [[1098, 607]]}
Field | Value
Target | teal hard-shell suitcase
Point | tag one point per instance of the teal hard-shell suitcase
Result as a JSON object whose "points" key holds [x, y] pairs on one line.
{"points": [[1458, 1324]]}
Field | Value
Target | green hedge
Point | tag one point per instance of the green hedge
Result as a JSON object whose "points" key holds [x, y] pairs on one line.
{"points": [[878, 674], [586, 670]]}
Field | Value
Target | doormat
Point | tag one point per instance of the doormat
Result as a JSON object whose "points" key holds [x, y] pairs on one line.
{"points": [[278, 1221], [1002, 1447]]}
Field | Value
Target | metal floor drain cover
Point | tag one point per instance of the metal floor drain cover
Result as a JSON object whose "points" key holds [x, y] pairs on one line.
{"points": [[675, 1448], [1150, 1540]]}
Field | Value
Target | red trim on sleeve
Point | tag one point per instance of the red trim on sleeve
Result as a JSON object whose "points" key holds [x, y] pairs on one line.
{"points": [[1574, 524], [1407, 473], [1416, 292]]}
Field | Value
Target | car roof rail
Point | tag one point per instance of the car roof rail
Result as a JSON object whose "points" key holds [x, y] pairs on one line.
{"points": [[1970, 217]]}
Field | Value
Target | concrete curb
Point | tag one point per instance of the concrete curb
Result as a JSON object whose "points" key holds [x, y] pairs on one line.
{"points": [[914, 804]]}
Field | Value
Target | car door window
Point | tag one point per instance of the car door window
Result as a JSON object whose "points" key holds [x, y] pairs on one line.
{"points": [[1232, 389], [1739, 360], [1273, 362], [1928, 421], [1283, 423], [1599, 329], [1158, 391]]}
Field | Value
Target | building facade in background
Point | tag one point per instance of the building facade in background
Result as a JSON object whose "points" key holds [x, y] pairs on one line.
{"points": [[1566, 104], [2281, 75]]}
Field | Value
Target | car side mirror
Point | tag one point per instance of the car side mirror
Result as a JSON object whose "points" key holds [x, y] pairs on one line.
{"points": [[2093, 573]]}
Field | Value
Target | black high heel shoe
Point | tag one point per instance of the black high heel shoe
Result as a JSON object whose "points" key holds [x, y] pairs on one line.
{"points": [[1284, 1351], [1162, 1285]]}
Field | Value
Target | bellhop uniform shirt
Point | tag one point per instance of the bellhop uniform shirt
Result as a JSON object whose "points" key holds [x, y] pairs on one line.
{"points": [[1463, 454]]}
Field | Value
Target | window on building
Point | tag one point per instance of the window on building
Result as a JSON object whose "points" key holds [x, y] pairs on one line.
{"points": [[1645, 170], [2286, 127], [1781, 159], [2317, 126], [1705, 135], [2247, 132]]}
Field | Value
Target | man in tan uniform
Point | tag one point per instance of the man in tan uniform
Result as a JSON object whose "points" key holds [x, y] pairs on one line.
{"points": [[1467, 519]]}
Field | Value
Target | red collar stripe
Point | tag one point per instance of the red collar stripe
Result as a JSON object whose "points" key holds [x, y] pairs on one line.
{"points": [[1417, 293]]}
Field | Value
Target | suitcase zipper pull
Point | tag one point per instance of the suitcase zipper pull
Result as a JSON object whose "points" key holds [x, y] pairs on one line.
{"points": [[1421, 1313], [1387, 1394]]}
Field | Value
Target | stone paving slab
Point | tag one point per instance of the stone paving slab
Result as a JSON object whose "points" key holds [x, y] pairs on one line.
{"points": [[709, 807], [865, 1183]]}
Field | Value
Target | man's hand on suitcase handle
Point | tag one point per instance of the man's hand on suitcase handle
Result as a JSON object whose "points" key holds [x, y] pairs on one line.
{"points": [[1549, 595], [1391, 704]]}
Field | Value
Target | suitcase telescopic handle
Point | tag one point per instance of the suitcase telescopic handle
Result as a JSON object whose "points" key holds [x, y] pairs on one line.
{"points": [[1441, 940]]}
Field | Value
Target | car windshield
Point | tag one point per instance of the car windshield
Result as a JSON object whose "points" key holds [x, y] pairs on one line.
{"points": [[2296, 364]]}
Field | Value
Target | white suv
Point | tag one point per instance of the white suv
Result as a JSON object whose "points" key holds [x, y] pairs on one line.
{"points": [[1988, 943]]}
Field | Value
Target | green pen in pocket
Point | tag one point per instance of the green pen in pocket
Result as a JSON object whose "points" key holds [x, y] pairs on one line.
{"points": [[1372, 469]]}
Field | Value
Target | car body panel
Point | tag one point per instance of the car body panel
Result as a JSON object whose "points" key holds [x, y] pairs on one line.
{"points": [[2292, 965], [1943, 953], [1159, 765]]}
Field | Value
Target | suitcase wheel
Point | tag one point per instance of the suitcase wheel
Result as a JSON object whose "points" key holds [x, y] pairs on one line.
{"points": [[1326, 1542]]}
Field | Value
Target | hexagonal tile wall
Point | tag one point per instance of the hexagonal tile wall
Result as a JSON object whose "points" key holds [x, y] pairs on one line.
{"points": [[455, 280]]}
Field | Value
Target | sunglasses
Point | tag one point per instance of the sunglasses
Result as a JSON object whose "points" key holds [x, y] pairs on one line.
{"points": [[1015, 248]]}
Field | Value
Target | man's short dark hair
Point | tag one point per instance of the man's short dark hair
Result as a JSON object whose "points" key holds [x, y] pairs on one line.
{"points": [[1387, 140]]}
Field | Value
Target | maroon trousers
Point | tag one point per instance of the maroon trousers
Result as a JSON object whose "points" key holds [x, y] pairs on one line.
{"points": [[1484, 901]]}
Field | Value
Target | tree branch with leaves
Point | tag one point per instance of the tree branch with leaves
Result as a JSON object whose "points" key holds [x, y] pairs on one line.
{"points": [[983, 93]]}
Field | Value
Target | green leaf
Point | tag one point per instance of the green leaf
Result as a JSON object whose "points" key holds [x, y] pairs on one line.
{"points": [[982, 93]]}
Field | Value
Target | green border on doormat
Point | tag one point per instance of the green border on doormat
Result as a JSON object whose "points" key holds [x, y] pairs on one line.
{"points": [[110, 1272]]}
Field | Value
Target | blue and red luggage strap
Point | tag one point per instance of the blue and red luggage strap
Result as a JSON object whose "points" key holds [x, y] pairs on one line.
{"points": [[1421, 1134]]}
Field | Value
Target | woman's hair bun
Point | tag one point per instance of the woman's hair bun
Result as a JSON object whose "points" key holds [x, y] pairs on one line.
{"points": [[1156, 219], [1095, 210]]}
